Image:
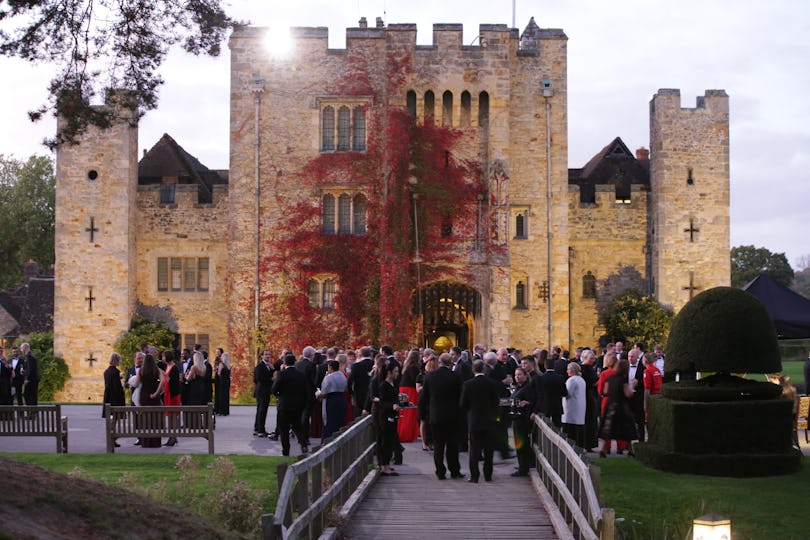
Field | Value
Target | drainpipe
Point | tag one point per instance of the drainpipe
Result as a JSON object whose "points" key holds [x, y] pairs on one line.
{"points": [[257, 88], [548, 209]]}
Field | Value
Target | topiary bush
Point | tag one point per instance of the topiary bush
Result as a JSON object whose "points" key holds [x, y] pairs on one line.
{"points": [[723, 330]]}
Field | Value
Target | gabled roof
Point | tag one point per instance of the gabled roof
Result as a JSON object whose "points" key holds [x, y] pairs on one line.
{"points": [[37, 310], [168, 159], [615, 163]]}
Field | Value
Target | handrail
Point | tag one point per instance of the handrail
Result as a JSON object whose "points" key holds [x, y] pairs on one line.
{"points": [[304, 508], [568, 480]]}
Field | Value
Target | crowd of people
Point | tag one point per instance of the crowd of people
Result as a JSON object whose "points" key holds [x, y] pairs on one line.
{"points": [[162, 379], [460, 401], [19, 376]]}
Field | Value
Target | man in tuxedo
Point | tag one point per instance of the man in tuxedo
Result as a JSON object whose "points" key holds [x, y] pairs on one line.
{"points": [[185, 364], [17, 377], [551, 389], [31, 382], [462, 366], [439, 403], [306, 365], [263, 385], [480, 398], [496, 370], [359, 378], [295, 393], [637, 401]]}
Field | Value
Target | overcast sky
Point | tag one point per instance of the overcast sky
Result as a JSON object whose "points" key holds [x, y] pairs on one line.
{"points": [[619, 54]]}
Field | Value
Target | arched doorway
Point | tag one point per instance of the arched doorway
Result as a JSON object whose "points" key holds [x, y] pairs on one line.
{"points": [[447, 314]]}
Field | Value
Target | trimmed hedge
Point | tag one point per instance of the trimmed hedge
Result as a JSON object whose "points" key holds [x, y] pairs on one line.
{"points": [[723, 330], [739, 465], [725, 427], [721, 388]]}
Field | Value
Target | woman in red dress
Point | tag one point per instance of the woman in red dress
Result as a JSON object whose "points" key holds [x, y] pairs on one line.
{"points": [[408, 428], [171, 391]]}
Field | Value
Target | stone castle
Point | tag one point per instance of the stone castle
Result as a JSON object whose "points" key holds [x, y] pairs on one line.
{"points": [[386, 192]]}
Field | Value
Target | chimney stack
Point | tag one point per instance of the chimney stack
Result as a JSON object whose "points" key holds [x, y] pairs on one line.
{"points": [[363, 22], [380, 23], [642, 154]]}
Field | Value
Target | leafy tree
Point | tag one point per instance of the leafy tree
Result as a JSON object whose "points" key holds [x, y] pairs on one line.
{"points": [[801, 279], [634, 317], [747, 262], [53, 371], [104, 44], [143, 330], [27, 211]]}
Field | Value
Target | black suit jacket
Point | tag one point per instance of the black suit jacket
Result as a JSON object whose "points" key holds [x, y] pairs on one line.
{"points": [[17, 378], [31, 368], [293, 389], [552, 387], [305, 366], [263, 380], [464, 369], [441, 395], [479, 398], [359, 380], [637, 401], [113, 390]]}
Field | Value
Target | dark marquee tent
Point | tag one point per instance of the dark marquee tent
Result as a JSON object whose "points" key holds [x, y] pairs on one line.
{"points": [[789, 310]]}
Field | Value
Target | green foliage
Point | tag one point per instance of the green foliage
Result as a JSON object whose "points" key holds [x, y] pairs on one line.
{"points": [[128, 40], [633, 317], [27, 211], [142, 330], [53, 371], [660, 505], [747, 262], [723, 329]]}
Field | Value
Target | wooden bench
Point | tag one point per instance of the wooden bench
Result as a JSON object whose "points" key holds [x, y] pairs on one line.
{"points": [[159, 421], [35, 421]]}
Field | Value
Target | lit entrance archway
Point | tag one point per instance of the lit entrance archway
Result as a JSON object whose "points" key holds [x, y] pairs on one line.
{"points": [[447, 312]]}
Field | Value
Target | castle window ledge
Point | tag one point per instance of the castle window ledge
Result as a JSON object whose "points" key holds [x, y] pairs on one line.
{"points": [[520, 308], [169, 206], [588, 205], [204, 205]]}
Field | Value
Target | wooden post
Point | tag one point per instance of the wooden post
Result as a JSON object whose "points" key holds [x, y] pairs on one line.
{"points": [[108, 422], [607, 527]]}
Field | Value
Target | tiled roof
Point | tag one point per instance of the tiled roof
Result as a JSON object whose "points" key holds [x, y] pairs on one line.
{"points": [[168, 159]]}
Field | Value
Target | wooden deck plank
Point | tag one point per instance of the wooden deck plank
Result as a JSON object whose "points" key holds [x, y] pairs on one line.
{"points": [[416, 504]]}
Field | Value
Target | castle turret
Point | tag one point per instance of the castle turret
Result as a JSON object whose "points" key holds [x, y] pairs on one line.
{"points": [[96, 182], [689, 178]]}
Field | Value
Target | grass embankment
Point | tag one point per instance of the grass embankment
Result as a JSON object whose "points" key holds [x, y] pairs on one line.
{"points": [[661, 505], [231, 490]]}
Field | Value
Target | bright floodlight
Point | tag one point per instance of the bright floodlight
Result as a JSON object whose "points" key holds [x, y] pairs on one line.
{"points": [[277, 41]]}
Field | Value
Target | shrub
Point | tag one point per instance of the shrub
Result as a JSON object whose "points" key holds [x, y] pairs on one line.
{"points": [[143, 330], [723, 330], [636, 318]]}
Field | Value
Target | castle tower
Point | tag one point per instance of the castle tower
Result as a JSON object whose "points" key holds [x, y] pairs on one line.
{"points": [[94, 297], [689, 179]]}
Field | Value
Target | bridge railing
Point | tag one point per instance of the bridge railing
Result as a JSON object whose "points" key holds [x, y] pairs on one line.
{"points": [[313, 489], [569, 481]]}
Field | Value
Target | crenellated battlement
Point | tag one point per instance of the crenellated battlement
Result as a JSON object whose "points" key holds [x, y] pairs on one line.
{"points": [[446, 37]]}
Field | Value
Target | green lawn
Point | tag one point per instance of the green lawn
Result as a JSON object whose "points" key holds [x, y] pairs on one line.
{"points": [[659, 505]]}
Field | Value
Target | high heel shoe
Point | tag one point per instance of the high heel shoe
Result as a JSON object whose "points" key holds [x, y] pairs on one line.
{"points": [[171, 442]]}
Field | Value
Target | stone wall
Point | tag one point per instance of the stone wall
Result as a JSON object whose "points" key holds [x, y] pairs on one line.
{"points": [[95, 179], [689, 178]]}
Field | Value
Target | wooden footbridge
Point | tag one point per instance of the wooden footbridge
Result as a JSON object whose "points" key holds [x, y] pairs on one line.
{"points": [[337, 493]]}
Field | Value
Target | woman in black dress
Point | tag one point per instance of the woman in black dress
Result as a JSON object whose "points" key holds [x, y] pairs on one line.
{"points": [[523, 400], [196, 380], [113, 389], [386, 412], [618, 421], [150, 379], [222, 384]]}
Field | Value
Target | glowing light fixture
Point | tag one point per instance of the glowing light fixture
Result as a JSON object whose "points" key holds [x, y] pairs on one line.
{"points": [[711, 527]]}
